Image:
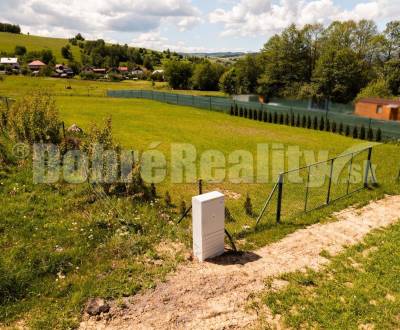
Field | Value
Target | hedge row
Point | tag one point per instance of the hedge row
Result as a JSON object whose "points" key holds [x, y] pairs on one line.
{"points": [[310, 122]]}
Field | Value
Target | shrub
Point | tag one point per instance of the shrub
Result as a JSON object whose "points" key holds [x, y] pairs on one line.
{"points": [[322, 124], [34, 118], [334, 127], [287, 119], [241, 112], [292, 121], [328, 126], [236, 110], [355, 132], [347, 132], [281, 119], [379, 135], [269, 117], [304, 121], [309, 122], [370, 134], [340, 131], [275, 118], [265, 116], [362, 133], [248, 207], [315, 123], [231, 111], [298, 120]]}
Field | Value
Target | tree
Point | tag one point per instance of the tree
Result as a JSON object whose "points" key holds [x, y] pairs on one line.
{"points": [[206, 76], [228, 82], [66, 52], [148, 63], [178, 74], [20, 50], [79, 37], [378, 88]]}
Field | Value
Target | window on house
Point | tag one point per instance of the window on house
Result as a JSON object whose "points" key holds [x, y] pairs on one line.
{"points": [[379, 109]]}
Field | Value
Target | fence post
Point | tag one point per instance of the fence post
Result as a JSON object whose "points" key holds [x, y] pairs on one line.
{"points": [[307, 189], [367, 167], [210, 104], [192, 100], [280, 193], [328, 197], [200, 187], [350, 170]]}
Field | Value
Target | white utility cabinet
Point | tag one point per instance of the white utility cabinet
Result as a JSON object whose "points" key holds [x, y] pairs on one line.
{"points": [[208, 212]]}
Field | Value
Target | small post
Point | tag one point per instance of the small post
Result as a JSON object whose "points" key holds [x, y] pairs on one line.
{"points": [[177, 99], [307, 189], [350, 170], [200, 187], [210, 103], [280, 193], [328, 198], [367, 167], [63, 129], [7, 104], [192, 100]]}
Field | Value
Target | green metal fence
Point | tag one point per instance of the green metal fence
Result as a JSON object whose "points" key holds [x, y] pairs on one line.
{"points": [[259, 111], [314, 186]]}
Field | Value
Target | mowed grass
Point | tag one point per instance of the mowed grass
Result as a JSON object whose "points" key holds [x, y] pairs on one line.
{"points": [[8, 41], [61, 244], [143, 124], [360, 289], [15, 86]]}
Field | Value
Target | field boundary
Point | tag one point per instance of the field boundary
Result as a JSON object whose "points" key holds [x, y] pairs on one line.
{"points": [[294, 116]]}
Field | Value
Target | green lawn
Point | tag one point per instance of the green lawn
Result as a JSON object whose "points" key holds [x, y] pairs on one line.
{"points": [[14, 86], [8, 41], [61, 246], [343, 296]]}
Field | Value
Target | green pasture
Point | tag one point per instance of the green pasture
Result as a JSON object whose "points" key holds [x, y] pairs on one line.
{"points": [[61, 244]]}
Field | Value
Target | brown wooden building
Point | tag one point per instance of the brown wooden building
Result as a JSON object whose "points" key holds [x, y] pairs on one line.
{"points": [[378, 109]]}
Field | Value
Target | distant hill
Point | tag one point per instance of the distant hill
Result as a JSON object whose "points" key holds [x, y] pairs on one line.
{"points": [[216, 55], [8, 41]]}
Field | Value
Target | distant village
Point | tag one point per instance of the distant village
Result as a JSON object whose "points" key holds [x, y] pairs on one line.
{"points": [[12, 65]]}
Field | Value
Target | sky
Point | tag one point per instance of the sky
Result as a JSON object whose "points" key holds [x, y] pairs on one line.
{"points": [[186, 25]]}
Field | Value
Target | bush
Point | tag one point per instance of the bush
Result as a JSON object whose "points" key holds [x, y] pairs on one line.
{"points": [[298, 120], [334, 127], [340, 128], [379, 135], [315, 123], [34, 118], [370, 135], [322, 124], [328, 126], [309, 122], [355, 132], [281, 119], [362, 133], [347, 132], [287, 119], [304, 121]]}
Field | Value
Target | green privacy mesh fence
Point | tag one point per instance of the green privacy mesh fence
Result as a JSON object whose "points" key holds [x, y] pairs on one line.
{"points": [[262, 111]]}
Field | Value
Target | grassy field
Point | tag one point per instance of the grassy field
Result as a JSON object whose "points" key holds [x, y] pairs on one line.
{"points": [[14, 86], [344, 296], [61, 246], [8, 41]]}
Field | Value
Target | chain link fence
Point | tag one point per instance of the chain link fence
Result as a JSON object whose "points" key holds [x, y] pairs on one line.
{"points": [[277, 113], [315, 186]]}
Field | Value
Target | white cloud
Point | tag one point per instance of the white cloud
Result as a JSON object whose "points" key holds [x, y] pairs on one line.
{"points": [[154, 40], [93, 17], [264, 17]]}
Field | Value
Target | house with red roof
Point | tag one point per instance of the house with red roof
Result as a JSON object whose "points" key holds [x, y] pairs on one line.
{"points": [[36, 65]]}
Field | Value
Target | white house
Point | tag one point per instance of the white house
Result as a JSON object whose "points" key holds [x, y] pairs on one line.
{"points": [[10, 61]]}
